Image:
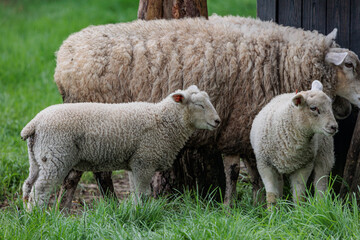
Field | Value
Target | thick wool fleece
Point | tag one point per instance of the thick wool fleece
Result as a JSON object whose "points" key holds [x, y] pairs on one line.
{"points": [[239, 68], [294, 140], [141, 137]]}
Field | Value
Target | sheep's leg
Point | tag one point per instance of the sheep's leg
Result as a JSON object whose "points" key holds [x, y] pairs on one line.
{"points": [[106, 184], [323, 164], [255, 179], [141, 182], [298, 181], [273, 181], [231, 168], [33, 175], [50, 176], [68, 188]]}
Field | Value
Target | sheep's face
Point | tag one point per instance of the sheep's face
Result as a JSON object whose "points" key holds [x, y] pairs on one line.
{"points": [[316, 108], [347, 67], [201, 113]]}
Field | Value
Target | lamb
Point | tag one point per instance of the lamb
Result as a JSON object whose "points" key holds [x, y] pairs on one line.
{"points": [[292, 135], [140, 137], [239, 67]]}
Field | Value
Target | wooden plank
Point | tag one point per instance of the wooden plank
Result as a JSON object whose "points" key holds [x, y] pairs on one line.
{"points": [[290, 12], [266, 10], [355, 27], [338, 16], [314, 15]]}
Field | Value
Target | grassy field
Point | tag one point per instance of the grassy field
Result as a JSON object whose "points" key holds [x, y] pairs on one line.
{"points": [[30, 33]]}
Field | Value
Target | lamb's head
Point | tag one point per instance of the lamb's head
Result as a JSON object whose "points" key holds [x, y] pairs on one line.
{"points": [[316, 110], [201, 113], [347, 66]]}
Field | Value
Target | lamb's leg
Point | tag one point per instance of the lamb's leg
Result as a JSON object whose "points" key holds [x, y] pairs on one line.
{"points": [[273, 181], [323, 164], [51, 175], [231, 168], [141, 182], [33, 175], [298, 181], [68, 188]]}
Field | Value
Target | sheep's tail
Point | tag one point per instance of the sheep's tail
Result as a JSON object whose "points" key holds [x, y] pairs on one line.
{"points": [[28, 130]]}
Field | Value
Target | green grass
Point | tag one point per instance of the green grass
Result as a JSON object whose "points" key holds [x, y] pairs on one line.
{"points": [[30, 33], [187, 217]]}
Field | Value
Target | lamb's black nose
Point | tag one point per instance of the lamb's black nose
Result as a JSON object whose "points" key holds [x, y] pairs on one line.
{"points": [[217, 122], [334, 127]]}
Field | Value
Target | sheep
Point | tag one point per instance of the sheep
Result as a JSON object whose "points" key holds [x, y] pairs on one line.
{"points": [[291, 135], [140, 137], [241, 67]]}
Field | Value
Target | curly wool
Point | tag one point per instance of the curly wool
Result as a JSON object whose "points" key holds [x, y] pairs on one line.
{"points": [[141, 137], [239, 68], [290, 138]]}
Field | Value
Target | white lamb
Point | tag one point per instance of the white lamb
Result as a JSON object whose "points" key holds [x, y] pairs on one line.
{"points": [[140, 137], [292, 135]]}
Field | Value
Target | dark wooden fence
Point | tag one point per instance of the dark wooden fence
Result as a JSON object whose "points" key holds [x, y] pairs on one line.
{"points": [[324, 16]]}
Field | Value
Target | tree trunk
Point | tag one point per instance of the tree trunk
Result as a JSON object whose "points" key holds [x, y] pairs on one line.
{"points": [[197, 169], [157, 9], [351, 176]]}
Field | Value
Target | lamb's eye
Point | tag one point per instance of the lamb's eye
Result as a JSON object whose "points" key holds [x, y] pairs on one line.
{"points": [[315, 109], [349, 65], [199, 105]]}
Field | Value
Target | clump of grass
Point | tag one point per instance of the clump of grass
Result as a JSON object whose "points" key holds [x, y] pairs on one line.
{"points": [[187, 216]]}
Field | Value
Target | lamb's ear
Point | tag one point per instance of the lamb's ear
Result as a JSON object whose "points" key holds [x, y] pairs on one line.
{"points": [[335, 57], [316, 86], [298, 100], [178, 97], [192, 89]]}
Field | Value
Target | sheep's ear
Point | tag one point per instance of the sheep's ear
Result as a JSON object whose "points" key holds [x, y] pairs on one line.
{"points": [[330, 38], [335, 58], [316, 86], [298, 100], [193, 89], [178, 97]]}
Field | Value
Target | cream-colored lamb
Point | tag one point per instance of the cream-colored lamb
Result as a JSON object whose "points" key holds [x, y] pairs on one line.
{"points": [[292, 135], [140, 137]]}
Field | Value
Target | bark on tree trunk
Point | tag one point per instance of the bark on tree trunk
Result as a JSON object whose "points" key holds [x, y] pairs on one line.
{"points": [[157, 9], [351, 174]]}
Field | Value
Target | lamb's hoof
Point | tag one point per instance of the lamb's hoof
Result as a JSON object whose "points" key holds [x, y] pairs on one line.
{"points": [[271, 200]]}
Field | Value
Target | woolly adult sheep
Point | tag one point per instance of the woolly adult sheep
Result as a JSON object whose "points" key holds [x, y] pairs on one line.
{"points": [[140, 137], [241, 68], [292, 135]]}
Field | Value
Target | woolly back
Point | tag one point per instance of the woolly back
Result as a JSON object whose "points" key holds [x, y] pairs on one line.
{"points": [[239, 68]]}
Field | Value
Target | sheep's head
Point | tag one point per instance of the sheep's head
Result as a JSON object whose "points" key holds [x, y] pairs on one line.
{"points": [[347, 67], [202, 113], [316, 108]]}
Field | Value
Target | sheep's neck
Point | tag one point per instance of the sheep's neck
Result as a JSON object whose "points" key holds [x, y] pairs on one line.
{"points": [[177, 124]]}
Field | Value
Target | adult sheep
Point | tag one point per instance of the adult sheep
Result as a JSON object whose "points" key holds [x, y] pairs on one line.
{"points": [[140, 137], [292, 135], [241, 68]]}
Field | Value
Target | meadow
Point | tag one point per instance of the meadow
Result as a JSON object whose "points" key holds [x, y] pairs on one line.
{"points": [[31, 31]]}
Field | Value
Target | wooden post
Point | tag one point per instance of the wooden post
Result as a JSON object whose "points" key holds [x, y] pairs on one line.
{"points": [[157, 9]]}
